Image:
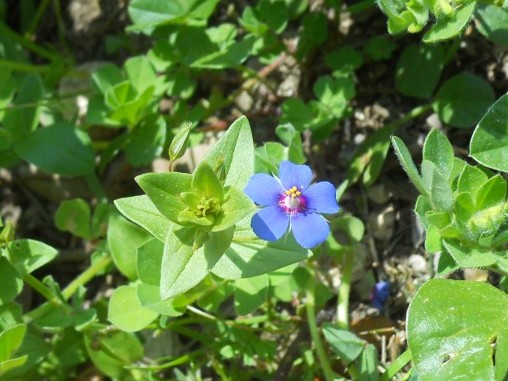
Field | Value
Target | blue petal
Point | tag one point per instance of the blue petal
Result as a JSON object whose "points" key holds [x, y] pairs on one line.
{"points": [[263, 189], [309, 229], [294, 175], [270, 223], [321, 198]]}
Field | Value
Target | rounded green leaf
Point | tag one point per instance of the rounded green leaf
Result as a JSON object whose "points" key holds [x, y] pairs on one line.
{"points": [[463, 99], [74, 216], [418, 70], [61, 148], [491, 21], [450, 26], [11, 282], [124, 239], [150, 297], [142, 211], [126, 312], [458, 328], [489, 143], [28, 255]]}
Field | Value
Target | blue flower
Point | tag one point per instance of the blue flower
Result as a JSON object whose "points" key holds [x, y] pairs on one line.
{"points": [[380, 294], [289, 202]]}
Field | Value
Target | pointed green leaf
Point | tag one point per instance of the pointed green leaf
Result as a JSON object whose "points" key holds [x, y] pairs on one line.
{"points": [[491, 192], [148, 262], [184, 264], [11, 282], [164, 190], [450, 26], [467, 257], [206, 183], [150, 297], [470, 179], [437, 186], [438, 150], [237, 205], [142, 211], [250, 256], [408, 165], [10, 340], [235, 151]]}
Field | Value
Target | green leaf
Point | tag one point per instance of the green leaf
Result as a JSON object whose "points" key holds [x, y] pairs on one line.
{"points": [[150, 297], [142, 211], [113, 351], [470, 179], [61, 148], [269, 156], [437, 186], [11, 282], [450, 26], [492, 192], [206, 183], [491, 21], [292, 139], [147, 14], [148, 262], [457, 328], [24, 115], [74, 216], [146, 141], [27, 255], [126, 312], [185, 263], [489, 143], [296, 112], [408, 165], [345, 60], [231, 55], [465, 207], [346, 344], [463, 99], [124, 239], [14, 363], [438, 150], [235, 151], [334, 93], [10, 340], [467, 257], [368, 364], [141, 73], [106, 77], [164, 190], [180, 143], [250, 293], [418, 70], [250, 256], [237, 205]]}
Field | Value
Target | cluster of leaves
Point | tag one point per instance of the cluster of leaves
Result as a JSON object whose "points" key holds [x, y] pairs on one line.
{"points": [[451, 17], [463, 208]]}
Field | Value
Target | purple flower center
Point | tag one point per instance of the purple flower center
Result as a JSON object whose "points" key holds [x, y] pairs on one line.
{"points": [[292, 201]]}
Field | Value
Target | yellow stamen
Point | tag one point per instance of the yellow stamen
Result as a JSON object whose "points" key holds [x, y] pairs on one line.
{"points": [[293, 192]]}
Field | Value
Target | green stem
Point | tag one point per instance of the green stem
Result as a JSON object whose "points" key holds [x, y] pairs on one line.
{"points": [[38, 286], [396, 366], [85, 277], [36, 19], [67, 293], [95, 185], [344, 290], [27, 44], [311, 321], [18, 66]]}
